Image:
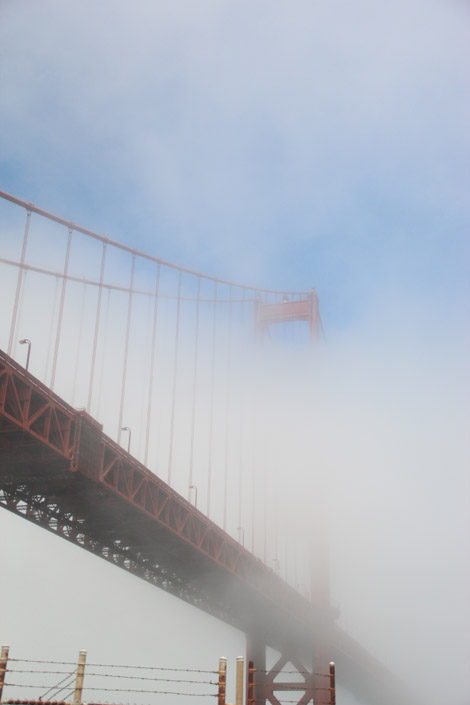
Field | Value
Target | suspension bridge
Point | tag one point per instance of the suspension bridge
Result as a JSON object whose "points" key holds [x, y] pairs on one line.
{"points": [[133, 424]]}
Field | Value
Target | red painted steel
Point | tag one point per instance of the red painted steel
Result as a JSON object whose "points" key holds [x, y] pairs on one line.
{"points": [[288, 311], [58, 469]]}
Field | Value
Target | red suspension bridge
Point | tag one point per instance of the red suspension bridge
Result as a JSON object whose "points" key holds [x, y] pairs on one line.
{"points": [[133, 424]]}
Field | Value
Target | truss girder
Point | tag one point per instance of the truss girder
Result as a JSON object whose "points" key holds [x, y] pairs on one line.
{"points": [[58, 469]]}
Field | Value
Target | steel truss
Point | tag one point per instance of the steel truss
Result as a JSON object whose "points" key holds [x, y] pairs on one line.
{"points": [[59, 470]]}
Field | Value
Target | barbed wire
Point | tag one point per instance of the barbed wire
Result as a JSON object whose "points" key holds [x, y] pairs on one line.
{"points": [[290, 673], [113, 675], [67, 678], [122, 690], [104, 665]]}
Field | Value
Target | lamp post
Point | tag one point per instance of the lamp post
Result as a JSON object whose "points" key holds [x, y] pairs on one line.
{"points": [[193, 487], [241, 535], [127, 428], [26, 341]]}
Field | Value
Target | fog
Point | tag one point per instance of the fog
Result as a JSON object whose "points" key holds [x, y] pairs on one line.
{"points": [[358, 443], [274, 145]]}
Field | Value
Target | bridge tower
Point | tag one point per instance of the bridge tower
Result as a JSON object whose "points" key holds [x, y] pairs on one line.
{"points": [[309, 686], [288, 311]]}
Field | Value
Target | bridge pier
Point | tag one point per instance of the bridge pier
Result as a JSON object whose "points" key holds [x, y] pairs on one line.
{"points": [[288, 675]]}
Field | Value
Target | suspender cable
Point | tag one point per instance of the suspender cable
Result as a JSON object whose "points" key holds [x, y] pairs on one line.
{"points": [[227, 407], [19, 282], [97, 325], [175, 370], [79, 344], [103, 356], [211, 414], [61, 310], [126, 350], [193, 406], [152, 363], [253, 409], [265, 507], [49, 339], [240, 440]]}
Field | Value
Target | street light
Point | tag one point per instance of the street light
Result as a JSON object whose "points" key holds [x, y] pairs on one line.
{"points": [[193, 487], [127, 428], [241, 535], [25, 341]]}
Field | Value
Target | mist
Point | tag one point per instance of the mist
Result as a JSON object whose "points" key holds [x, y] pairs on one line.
{"points": [[283, 147]]}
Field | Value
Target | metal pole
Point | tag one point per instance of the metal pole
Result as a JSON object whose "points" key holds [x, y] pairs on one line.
{"points": [[332, 684], [26, 341], [222, 680], [127, 428], [193, 487], [77, 696], [239, 691], [3, 667]]}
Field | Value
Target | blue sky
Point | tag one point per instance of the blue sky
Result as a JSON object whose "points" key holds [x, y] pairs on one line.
{"points": [[320, 144], [292, 145]]}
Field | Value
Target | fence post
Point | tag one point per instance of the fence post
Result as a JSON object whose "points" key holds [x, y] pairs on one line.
{"points": [[3, 667], [77, 695], [222, 680], [239, 691], [250, 691], [332, 684]]}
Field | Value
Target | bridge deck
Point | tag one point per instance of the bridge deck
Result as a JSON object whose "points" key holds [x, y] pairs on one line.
{"points": [[58, 470]]}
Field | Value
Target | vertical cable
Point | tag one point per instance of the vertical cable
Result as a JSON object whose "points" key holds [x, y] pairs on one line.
{"points": [[18, 283], [97, 325], [21, 301], [79, 345], [227, 407], [193, 405], [103, 356], [175, 371], [49, 339], [211, 415], [240, 442], [152, 363], [265, 508], [253, 488], [61, 310], [126, 349]]}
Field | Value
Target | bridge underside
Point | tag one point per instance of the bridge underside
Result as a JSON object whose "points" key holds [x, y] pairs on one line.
{"points": [[58, 470]]}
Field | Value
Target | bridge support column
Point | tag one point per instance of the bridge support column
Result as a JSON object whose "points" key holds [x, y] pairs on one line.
{"points": [[256, 652]]}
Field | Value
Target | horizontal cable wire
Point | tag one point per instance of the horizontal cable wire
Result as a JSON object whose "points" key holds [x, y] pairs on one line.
{"points": [[50, 216], [107, 665], [116, 287], [115, 675]]}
